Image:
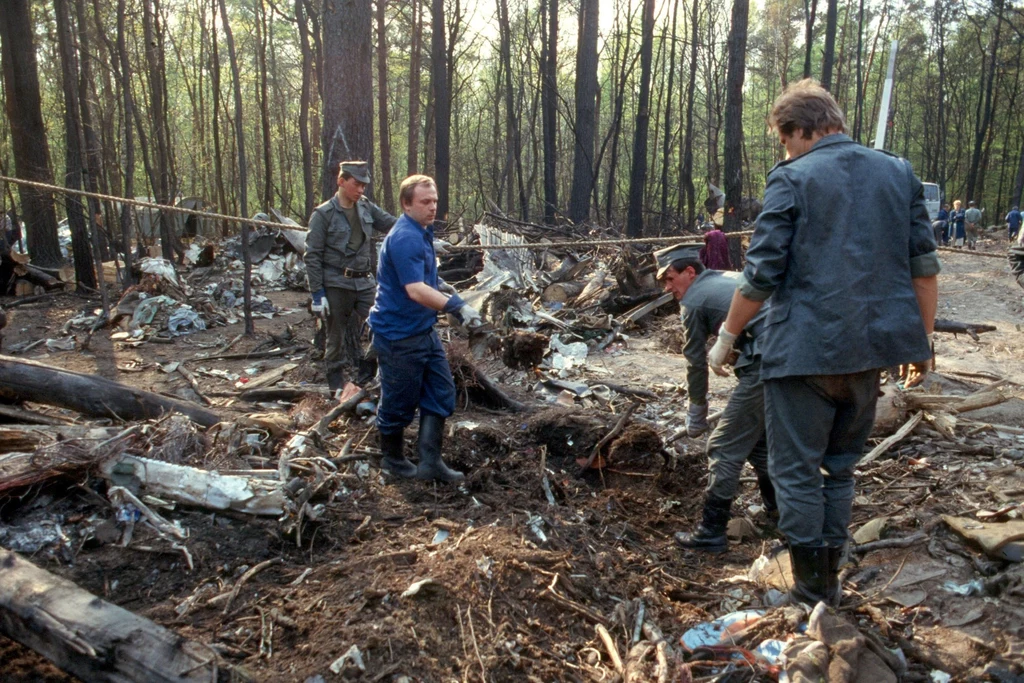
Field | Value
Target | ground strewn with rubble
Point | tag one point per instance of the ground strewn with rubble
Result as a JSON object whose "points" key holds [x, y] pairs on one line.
{"points": [[534, 569]]}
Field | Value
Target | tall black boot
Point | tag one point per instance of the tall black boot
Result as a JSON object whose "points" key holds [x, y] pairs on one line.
{"points": [[335, 378], [710, 535], [767, 488], [833, 586], [810, 573], [431, 465], [394, 460]]}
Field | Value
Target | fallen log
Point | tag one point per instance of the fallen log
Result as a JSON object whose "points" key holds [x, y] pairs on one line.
{"points": [[90, 638], [289, 394], [955, 327], [25, 380]]}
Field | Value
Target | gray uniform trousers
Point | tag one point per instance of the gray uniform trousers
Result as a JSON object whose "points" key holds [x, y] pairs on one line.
{"points": [[817, 426], [344, 303], [739, 435]]}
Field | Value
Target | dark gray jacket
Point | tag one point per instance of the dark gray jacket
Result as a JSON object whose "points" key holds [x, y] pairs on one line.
{"points": [[327, 253], [843, 231], [704, 307]]}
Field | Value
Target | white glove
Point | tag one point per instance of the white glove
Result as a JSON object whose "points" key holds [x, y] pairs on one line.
{"points": [[444, 287], [468, 317], [719, 354], [441, 247], [320, 306]]}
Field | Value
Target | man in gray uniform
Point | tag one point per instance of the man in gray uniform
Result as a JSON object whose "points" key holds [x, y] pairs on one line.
{"points": [[704, 296], [851, 293], [340, 261]]}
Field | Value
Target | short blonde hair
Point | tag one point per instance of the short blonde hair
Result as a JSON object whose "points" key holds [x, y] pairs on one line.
{"points": [[808, 107], [408, 188]]}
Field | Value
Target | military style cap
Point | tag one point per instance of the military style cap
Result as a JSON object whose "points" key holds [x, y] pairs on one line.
{"points": [[664, 257], [360, 170]]}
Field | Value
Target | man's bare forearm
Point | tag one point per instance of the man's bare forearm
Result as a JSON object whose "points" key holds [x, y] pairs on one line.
{"points": [[741, 311], [926, 289]]}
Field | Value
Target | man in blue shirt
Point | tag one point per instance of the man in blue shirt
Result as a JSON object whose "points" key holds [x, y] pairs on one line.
{"points": [[1013, 220], [414, 370]]}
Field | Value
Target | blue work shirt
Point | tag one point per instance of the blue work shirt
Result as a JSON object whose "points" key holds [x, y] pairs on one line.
{"points": [[1013, 219], [406, 256]]}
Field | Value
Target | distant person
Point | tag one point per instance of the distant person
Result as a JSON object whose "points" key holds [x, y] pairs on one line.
{"points": [[972, 222], [941, 226], [957, 233], [1013, 220], [715, 252]]}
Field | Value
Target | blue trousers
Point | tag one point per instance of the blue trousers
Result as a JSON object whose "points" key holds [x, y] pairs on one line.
{"points": [[817, 427], [414, 372]]}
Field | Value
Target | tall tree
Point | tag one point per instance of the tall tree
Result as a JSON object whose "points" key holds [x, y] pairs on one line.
{"points": [[666, 144], [73, 159], [810, 9], [831, 19], [586, 96], [28, 134], [382, 109], [513, 139], [638, 174], [441, 89], [243, 173], [128, 105], [858, 103], [415, 65], [264, 103], [686, 171], [161, 173], [549, 104], [304, 105], [347, 120], [984, 117], [734, 122]]}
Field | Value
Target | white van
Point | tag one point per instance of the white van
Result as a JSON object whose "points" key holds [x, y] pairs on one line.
{"points": [[932, 200]]}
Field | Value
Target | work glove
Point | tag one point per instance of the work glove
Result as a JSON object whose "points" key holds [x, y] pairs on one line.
{"points": [[320, 306], [444, 287], [441, 247], [696, 419], [718, 357], [468, 317]]}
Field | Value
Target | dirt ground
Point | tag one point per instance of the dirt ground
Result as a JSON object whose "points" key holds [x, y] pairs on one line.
{"points": [[491, 581]]}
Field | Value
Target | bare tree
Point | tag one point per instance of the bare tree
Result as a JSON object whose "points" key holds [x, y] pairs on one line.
{"points": [[24, 111], [734, 122], [586, 95], [382, 110], [686, 172], [831, 18], [549, 103], [638, 174], [304, 103]]}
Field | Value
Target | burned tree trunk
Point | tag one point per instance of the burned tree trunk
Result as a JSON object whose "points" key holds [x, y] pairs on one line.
{"points": [[89, 394]]}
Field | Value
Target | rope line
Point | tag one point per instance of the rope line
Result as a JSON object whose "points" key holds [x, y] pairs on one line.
{"points": [[678, 239]]}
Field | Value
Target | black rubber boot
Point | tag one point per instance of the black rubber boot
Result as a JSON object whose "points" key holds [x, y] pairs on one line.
{"points": [[335, 378], [833, 586], [810, 573], [710, 535], [767, 488], [394, 460], [431, 465]]}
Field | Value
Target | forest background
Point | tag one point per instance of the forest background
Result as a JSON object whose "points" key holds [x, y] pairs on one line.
{"points": [[617, 112]]}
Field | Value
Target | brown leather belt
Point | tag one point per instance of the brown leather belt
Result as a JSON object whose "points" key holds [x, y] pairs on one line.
{"points": [[355, 274]]}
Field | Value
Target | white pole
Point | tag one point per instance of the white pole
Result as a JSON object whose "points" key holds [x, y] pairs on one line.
{"points": [[883, 112]]}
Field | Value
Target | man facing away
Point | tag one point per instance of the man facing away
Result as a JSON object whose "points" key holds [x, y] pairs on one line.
{"points": [[972, 219], [414, 370], [339, 264], [851, 294], [1013, 220], [704, 297]]}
